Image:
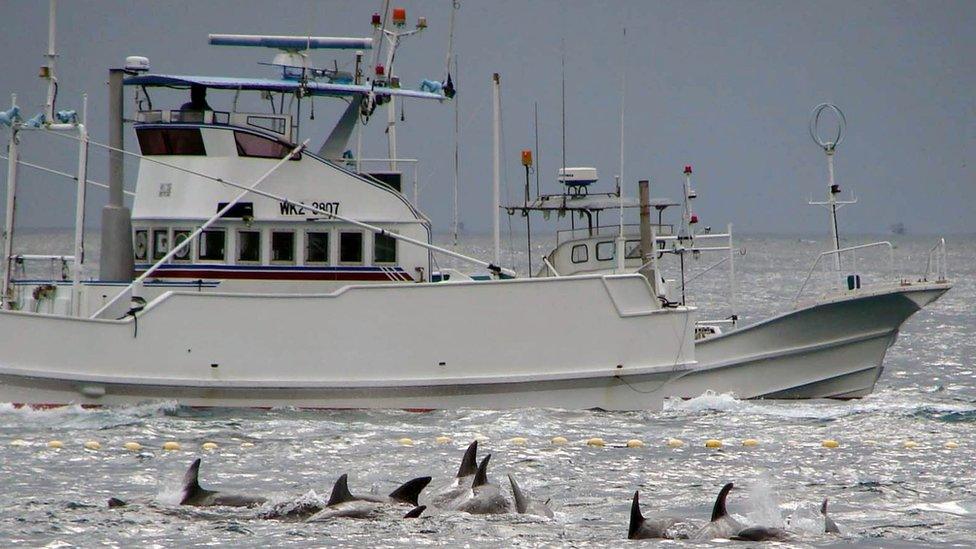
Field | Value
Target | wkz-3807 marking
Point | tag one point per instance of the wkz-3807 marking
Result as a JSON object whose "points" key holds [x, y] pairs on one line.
{"points": [[298, 209]]}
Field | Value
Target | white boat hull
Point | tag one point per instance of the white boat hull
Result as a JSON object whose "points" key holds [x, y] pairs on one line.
{"points": [[573, 342], [831, 349]]}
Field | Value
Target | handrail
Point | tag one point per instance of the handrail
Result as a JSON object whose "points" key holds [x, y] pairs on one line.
{"points": [[941, 271], [891, 260], [545, 259]]}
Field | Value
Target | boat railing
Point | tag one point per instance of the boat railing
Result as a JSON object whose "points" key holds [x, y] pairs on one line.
{"points": [[936, 262], [566, 235], [852, 250], [279, 124], [58, 264]]}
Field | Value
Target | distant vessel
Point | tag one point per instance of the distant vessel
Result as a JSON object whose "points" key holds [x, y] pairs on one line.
{"points": [[831, 345], [898, 228], [253, 271]]}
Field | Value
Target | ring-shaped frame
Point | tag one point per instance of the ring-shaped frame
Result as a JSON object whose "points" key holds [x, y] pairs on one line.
{"points": [[815, 126]]}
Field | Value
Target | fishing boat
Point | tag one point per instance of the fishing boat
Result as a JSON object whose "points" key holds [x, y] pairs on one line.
{"points": [[830, 343], [253, 270]]}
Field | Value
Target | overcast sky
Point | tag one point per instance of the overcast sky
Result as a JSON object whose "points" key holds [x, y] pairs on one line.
{"points": [[725, 86]]}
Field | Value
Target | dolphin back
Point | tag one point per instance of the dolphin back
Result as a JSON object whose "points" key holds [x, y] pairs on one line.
{"points": [[830, 527], [521, 502], [636, 517], [481, 476], [469, 463], [340, 492], [719, 510], [409, 492], [191, 490]]}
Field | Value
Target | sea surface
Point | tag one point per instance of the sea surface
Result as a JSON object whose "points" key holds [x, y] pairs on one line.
{"points": [[892, 482]]}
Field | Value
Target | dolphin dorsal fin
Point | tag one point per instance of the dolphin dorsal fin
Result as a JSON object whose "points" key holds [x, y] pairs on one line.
{"points": [[823, 507], [409, 492], [340, 492], [636, 518], [191, 482], [521, 502], [415, 512], [719, 510], [481, 477], [469, 463]]}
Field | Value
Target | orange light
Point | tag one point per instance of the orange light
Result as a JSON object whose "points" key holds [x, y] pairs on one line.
{"points": [[527, 157], [399, 16]]}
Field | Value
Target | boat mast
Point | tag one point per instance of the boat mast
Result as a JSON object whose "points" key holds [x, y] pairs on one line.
{"points": [[833, 189], [621, 260], [47, 71], [13, 158], [496, 164]]}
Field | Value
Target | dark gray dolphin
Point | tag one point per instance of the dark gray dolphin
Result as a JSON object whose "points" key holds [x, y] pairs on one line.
{"points": [[762, 533], [721, 524], [343, 504], [830, 527], [484, 498], [442, 496], [193, 494], [653, 528], [525, 505]]}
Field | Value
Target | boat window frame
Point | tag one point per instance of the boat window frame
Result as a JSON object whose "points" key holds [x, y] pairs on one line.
{"points": [[184, 146], [188, 258], [271, 247], [613, 250], [285, 147], [135, 247], [396, 247], [631, 253], [199, 247], [154, 253], [328, 247], [586, 252], [237, 247], [362, 247]]}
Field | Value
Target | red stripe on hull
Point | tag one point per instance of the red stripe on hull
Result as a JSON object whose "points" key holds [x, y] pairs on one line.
{"points": [[280, 275]]}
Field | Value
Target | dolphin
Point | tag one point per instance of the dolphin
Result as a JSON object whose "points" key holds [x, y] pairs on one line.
{"points": [[524, 505], [721, 525], [442, 496], [762, 533], [193, 494], [653, 528], [343, 504], [483, 498], [830, 527]]}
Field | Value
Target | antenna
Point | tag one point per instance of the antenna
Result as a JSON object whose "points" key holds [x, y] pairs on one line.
{"points": [[621, 259], [833, 189], [47, 71]]}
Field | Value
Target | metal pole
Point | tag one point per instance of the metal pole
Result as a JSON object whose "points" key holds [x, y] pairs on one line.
{"points": [[80, 209], [13, 155], [647, 238], [391, 110], [52, 81], [832, 200], [496, 152], [116, 262], [528, 223], [213, 219], [731, 275]]}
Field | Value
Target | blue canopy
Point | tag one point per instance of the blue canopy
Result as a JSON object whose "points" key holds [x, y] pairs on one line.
{"points": [[269, 84]]}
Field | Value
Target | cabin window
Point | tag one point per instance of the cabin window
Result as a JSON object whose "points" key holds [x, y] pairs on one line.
{"points": [[351, 248], [211, 245], [160, 243], [282, 246], [171, 141], [180, 236], [248, 246], [632, 249], [141, 245], [604, 251], [317, 247], [580, 254], [256, 146], [384, 248]]}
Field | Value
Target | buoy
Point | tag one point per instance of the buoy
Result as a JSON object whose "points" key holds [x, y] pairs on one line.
{"points": [[55, 444], [596, 442], [675, 442], [132, 446], [559, 441], [171, 446], [92, 445], [713, 443], [19, 442], [830, 443], [247, 445], [405, 442], [442, 439], [519, 441], [209, 446], [750, 442], [635, 443], [952, 445], [910, 444]]}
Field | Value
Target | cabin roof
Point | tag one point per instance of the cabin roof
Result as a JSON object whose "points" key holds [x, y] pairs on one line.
{"points": [[271, 84]]}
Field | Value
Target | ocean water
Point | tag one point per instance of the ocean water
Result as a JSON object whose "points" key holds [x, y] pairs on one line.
{"points": [[892, 482]]}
